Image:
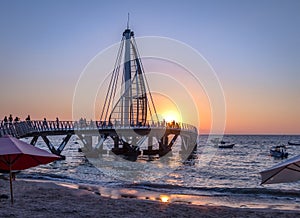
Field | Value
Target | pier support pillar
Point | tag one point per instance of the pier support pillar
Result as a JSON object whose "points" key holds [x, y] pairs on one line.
{"points": [[116, 142], [60, 147], [34, 140], [150, 143]]}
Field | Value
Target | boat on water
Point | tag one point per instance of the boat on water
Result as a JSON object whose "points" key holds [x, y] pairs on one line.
{"points": [[279, 151], [294, 142], [222, 143], [226, 145]]}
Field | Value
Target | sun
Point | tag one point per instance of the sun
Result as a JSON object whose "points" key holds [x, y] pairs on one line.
{"points": [[167, 109], [170, 116]]}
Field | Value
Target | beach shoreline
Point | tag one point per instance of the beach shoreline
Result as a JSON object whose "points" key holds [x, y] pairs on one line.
{"points": [[48, 199]]}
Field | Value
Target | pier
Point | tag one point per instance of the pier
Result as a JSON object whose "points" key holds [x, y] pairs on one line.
{"points": [[130, 120], [85, 131]]}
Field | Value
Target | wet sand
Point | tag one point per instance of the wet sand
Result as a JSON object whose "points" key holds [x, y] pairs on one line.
{"points": [[47, 199]]}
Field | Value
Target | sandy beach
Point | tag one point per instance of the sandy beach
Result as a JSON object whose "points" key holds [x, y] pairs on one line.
{"points": [[47, 199]]}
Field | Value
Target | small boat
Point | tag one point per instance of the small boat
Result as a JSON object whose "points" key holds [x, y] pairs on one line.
{"points": [[293, 142], [279, 151], [226, 145], [222, 143]]}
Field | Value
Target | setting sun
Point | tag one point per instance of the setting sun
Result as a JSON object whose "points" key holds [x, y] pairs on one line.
{"points": [[170, 116], [167, 109]]}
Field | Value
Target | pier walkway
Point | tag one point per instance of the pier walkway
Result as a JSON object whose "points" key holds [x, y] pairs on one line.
{"points": [[85, 130]]}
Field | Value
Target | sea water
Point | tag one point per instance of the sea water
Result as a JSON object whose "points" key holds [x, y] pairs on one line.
{"points": [[227, 177]]}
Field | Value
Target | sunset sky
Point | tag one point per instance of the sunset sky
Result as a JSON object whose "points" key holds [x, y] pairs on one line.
{"points": [[253, 46]]}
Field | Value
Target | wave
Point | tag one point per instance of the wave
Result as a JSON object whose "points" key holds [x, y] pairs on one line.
{"points": [[66, 179], [215, 190], [47, 176]]}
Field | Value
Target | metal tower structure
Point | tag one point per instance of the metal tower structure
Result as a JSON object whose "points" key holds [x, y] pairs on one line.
{"points": [[132, 105]]}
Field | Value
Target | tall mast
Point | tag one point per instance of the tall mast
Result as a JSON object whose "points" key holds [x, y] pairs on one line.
{"points": [[133, 105], [127, 77]]}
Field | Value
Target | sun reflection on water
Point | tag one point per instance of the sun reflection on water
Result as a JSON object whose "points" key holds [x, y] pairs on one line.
{"points": [[165, 198]]}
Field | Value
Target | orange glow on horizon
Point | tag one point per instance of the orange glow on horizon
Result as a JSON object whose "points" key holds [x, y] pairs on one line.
{"points": [[166, 108]]}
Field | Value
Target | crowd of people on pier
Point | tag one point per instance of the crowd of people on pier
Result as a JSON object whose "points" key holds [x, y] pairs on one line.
{"points": [[9, 121]]}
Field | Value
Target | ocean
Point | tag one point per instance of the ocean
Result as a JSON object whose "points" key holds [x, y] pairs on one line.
{"points": [[215, 176]]}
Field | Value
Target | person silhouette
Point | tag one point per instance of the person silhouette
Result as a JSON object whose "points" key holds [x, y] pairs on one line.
{"points": [[45, 124], [5, 120], [28, 118], [10, 118], [57, 122]]}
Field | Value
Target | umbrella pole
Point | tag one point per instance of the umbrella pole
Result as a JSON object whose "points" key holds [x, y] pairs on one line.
{"points": [[11, 189]]}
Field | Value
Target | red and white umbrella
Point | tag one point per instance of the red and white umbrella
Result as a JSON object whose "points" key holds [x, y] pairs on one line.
{"points": [[18, 155]]}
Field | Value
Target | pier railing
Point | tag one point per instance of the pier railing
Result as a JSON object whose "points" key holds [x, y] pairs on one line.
{"points": [[26, 128]]}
